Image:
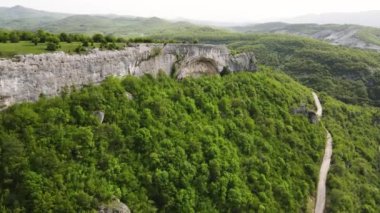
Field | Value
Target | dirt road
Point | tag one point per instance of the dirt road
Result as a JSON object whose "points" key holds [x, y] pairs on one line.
{"points": [[321, 191]]}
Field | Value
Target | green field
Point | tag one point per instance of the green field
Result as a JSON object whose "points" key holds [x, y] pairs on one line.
{"points": [[8, 50], [26, 47]]}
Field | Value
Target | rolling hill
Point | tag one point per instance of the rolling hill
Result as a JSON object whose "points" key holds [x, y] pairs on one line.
{"points": [[21, 18], [19, 12], [125, 26], [347, 35]]}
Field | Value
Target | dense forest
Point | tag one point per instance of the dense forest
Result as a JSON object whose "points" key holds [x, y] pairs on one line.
{"points": [[212, 144]]}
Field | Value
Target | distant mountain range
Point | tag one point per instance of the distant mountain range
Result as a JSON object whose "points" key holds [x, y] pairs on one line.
{"points": [[21, 18], [367, 18]]}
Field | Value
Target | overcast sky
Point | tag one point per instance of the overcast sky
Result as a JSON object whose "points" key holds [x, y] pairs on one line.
{"points": [[212, 10]]}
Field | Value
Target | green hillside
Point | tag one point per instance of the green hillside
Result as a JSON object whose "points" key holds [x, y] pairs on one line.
{"points": [[350, 75], [353, 181], [125, 26], [209, 144], [214, 143]]}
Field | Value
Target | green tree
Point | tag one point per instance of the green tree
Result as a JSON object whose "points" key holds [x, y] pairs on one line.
{"points": [[42, 35], [35, 40], [110, 38], [4, 37], [53, 39], [64, 37], [14, 37], [98, 38], [52, 46]]}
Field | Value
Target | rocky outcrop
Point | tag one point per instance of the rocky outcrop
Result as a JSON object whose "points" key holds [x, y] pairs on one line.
{"points": [[25, 78], [115, 206], [302, 110]]}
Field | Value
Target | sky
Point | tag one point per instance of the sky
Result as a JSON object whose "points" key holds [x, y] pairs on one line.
{"points": [[205, 10]]}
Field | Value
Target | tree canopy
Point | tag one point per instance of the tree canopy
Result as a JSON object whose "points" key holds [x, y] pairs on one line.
{"points": [[222, 144]]}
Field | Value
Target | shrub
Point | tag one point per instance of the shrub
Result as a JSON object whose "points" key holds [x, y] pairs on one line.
{"points": [[51, 46]]}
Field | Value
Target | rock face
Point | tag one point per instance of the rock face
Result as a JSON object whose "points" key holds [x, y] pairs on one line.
{"points": [[25, 78]]}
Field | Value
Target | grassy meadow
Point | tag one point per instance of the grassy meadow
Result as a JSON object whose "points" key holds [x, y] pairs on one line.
{"points": [[8, 50]]}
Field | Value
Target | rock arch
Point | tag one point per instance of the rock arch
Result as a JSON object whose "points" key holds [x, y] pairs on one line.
{"points": [[197, 66]]}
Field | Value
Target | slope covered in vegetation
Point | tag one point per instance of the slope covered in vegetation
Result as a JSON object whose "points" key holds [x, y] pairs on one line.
{"points": [[199, 145], [353, 182], [350, 75]]}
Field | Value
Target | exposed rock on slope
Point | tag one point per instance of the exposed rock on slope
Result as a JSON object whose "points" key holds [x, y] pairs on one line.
{"points": [[25, 78]]}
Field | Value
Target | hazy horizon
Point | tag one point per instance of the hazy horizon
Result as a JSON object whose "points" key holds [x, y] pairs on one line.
{"points": [[238, 11]]}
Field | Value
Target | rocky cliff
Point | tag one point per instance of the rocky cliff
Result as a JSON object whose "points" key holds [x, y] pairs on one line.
{"points": [[25, 78]]}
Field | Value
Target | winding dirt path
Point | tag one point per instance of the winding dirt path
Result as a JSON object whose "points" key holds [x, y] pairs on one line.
{"points": [[321, 191], [318, 105]]}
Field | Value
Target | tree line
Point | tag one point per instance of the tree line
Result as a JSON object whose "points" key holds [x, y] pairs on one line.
{"points": [[53, 41]]}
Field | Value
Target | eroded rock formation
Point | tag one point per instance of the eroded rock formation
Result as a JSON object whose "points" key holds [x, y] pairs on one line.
{"points": [[25, 78]]}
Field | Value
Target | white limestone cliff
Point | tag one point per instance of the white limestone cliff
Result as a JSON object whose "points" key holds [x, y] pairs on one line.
{"points": [[25, 78]]}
